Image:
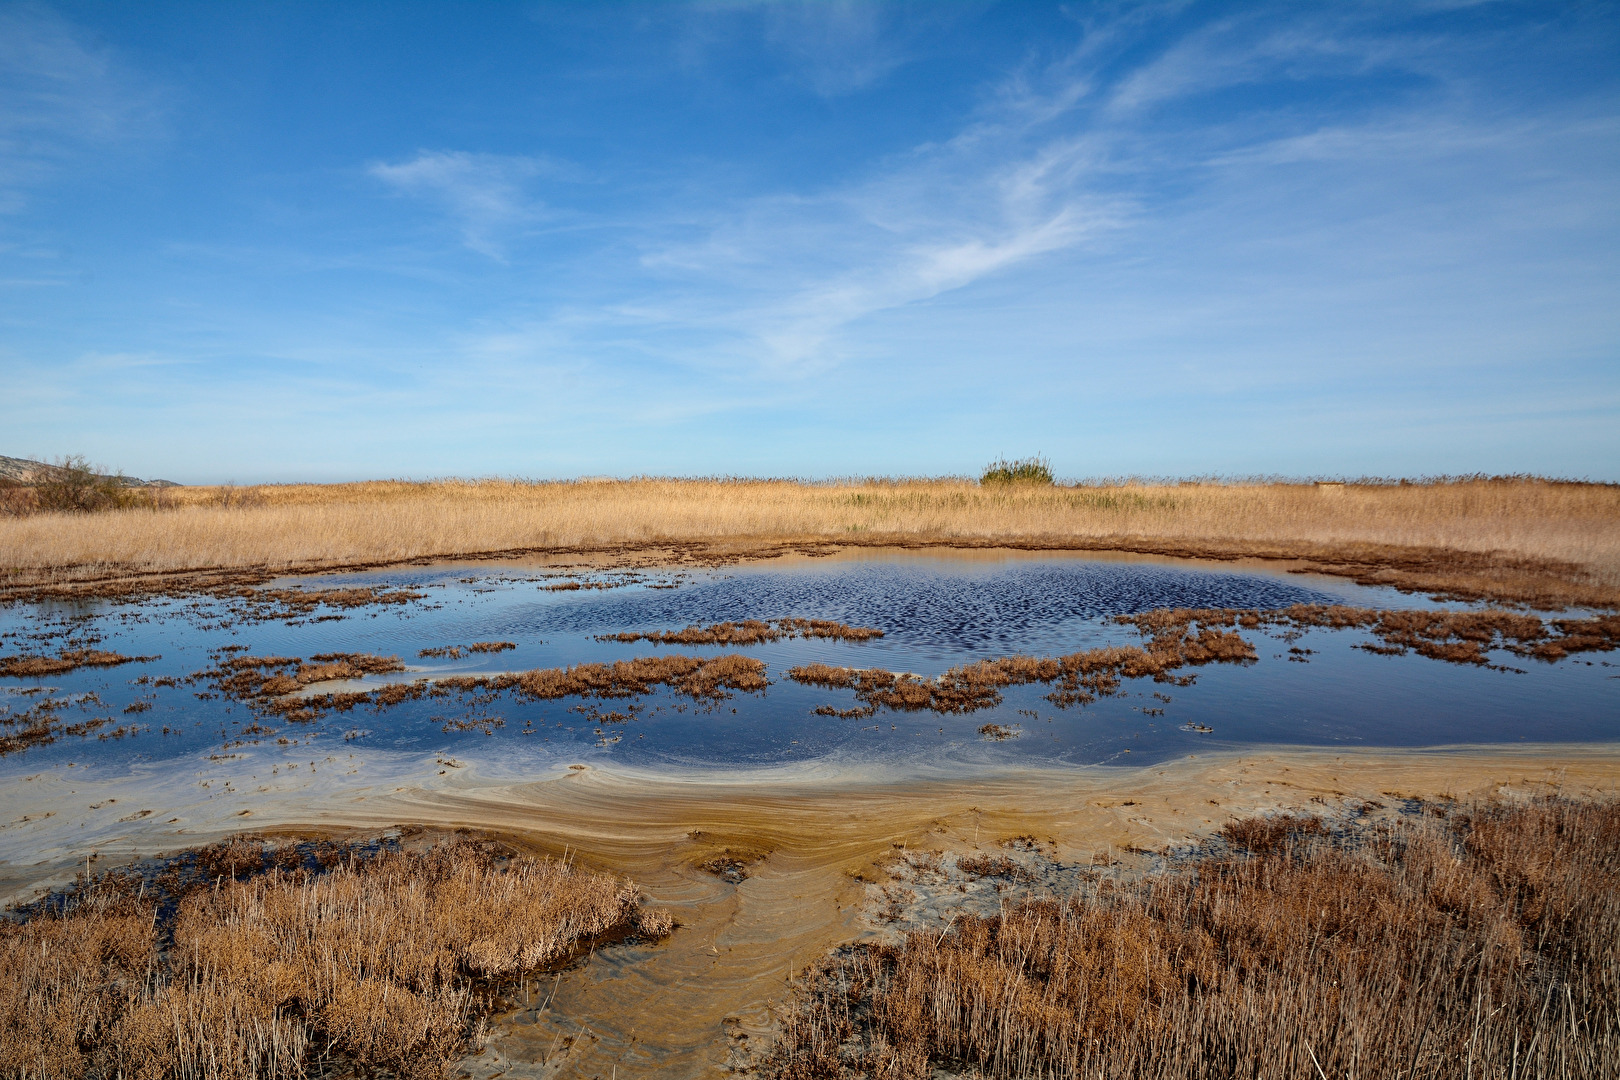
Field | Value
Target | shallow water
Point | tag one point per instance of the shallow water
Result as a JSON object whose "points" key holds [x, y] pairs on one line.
{"points": [[936, 611], [824, 797]]}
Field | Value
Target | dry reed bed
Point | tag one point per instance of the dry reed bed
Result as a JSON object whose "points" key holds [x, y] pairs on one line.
{"points": [[1527, 540], [1484, 942], [373, 964]]}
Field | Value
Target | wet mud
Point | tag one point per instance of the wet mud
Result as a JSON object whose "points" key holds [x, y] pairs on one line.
{"points": [[811, 847]]}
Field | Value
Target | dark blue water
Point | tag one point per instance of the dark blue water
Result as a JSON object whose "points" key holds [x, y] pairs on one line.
{"points": [[936, 612]]}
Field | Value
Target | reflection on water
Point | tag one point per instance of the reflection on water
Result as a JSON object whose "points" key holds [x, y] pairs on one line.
{"points": [[936, 611], [772, 775]]}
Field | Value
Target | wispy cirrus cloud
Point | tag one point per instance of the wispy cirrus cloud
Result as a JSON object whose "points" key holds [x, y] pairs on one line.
{"points": [[1244, 208], [1082, 151], [788, 274], [60, 98], [489, 196], [835, 48]]}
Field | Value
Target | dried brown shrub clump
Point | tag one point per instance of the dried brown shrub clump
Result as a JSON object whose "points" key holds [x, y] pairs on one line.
{"points": [[1483, 942], [1179, 637], [33, 667], [455, 652], [1263, 835], [375, 963], [695, 676], [1080, 677], [263, 676], [1461, 637], [982, 864]]}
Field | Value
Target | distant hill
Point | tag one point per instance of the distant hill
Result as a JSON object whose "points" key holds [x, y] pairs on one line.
{"points": [[26, 471]]}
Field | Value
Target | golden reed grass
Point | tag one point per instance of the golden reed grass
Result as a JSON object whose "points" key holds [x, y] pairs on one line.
{"points": [[1515, 539], [372, 964], [1484, 943]]}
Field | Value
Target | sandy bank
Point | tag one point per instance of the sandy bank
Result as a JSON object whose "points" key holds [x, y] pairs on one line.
{"points": [[810, 838]]}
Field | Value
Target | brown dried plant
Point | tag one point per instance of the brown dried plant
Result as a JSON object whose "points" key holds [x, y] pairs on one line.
{"points": [[1522, 539], [1482, 942], [374, 963]]}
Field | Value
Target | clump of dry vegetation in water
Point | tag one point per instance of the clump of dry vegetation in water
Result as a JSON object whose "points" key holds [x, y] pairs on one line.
{"points": [[45, 720], [1515, 538], [271, 685], [1460, 637], [695, 676], [34, 667], [1480, 942], [1181, 637], [374, 963], [455, 652], [1081, 677], [250, 677], [751, 632]]}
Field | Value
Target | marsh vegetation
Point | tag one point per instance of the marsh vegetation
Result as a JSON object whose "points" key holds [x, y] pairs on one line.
{"points": [[1478, 940], [1030, 470], [1522, 539], [1177, 638], [249, 960]]}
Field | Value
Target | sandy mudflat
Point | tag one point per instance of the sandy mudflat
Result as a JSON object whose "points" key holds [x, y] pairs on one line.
{"points": [[814, 834]]}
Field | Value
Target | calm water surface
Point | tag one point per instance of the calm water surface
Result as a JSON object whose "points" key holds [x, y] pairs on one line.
{"points": [[936, 611]]}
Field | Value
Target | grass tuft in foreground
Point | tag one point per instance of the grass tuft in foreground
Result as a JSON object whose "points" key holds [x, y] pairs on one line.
{"points": [[1470, 942], [371, 963]]}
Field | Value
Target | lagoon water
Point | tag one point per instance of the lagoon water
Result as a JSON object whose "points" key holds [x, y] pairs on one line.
{"points": [[936, 610], [660, 790]]}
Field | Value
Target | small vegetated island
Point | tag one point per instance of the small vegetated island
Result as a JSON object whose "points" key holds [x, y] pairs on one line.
{"points": [[1299, 915]]}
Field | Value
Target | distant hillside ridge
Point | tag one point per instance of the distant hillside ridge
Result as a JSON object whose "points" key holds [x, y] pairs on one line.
{"points": [[28, 471]]}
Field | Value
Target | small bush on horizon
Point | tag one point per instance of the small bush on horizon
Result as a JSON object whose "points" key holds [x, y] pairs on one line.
{"points": [[74, 484], [1030, 470]]}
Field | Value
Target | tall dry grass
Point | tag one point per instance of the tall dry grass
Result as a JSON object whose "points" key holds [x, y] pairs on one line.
{"points": [[1566, 530], [1486, 944], [371, 964]]}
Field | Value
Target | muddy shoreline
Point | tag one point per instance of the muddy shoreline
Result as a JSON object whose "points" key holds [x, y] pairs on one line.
{"points": [[1445, 573], [813, 843]]}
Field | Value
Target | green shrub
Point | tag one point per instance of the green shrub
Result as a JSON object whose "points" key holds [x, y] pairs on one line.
{"points": [[1030, 470]]}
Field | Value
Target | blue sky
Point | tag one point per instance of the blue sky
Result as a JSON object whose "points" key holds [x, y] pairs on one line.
{"points": [[334, 241]]}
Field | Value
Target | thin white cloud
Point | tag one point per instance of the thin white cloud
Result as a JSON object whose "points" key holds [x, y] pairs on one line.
{"points": [[791, 273], [487, 194], [1244, 254], [832, 47], [60, 97], [839, 46]]}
